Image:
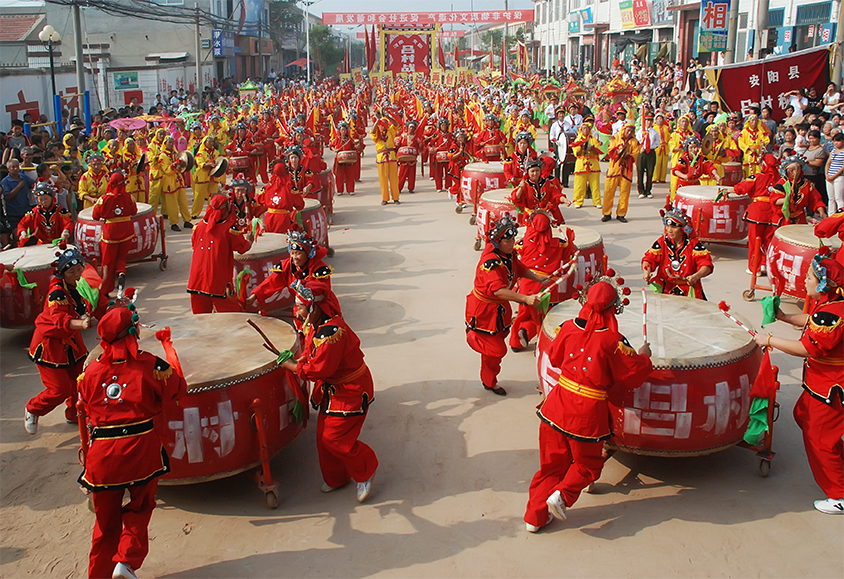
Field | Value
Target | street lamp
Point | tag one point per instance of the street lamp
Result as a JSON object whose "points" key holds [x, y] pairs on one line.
{"points": [[50, 35], [308, 4]]}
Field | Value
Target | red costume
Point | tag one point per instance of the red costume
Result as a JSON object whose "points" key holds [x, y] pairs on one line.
{"points": [[214, 241], [673, 263], [829, 227], [442, 142], [760, 215], [486, 137], [593, 357], [42, 226], [545, 194], [458, 158], [122, 391], [407, 169], [283, 199], [693, 168], [346, 173], [802, 196], [286, 272], [116, 208], [243, 147], [514, 166]]}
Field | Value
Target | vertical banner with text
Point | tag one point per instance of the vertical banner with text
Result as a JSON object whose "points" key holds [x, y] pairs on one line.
{"points": [[408, 53], [714, 23]]}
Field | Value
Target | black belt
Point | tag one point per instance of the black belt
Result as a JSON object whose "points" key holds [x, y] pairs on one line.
{"points": [[122, 430]]}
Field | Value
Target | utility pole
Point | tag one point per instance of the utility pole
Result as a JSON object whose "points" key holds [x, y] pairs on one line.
{"points": [[760, 35], [260, 51], [80, 56], [837, 51], [732, 32], [506, 25], [198, 47]]}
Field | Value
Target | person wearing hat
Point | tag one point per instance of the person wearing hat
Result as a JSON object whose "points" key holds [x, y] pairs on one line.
{"points": [[93, 183], [819, 411], [558, 143], [753, 141], [243, 203], [490, 135], [122, 391], [587, 169], [218, 130], [113, 156], [344, 173], [676, 262], [57, 347], [793, 193], [384, 134], [214, 241], [116, 209], [241, 146], [407, 169], [676, 148], [284, 196], [525, 124], [649, 142], [154, 149], [488, 312], [46, 221], [343, 390], [593, 357], [441, 142], [259, 152], [759, 215], [514, 166], [539, 192], [691, 166], [205, 185], [623, 152], [458, 157], [135, 185], [175, 199], [662, 152], [620, 121]]}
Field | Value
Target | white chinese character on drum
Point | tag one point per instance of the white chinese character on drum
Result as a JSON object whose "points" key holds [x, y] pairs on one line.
{"points": [[790, 256], [719, 220], [88, 233]]}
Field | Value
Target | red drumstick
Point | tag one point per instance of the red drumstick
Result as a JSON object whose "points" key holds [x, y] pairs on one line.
{"points": [[725, 308], [645, 315]]}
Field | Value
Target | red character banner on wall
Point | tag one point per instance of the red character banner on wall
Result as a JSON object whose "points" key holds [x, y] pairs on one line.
{"points": [[408, 53]]}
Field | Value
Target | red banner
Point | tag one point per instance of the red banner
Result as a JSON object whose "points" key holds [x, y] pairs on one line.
{"points": [[765, 82], [399, 18], [408, 53], [443, 34], [641, 13]]}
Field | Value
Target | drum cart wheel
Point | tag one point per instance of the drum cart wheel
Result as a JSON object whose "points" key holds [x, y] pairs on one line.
{"points": [[264, 476], [459, 208], [473, 219], [765, 467], [330, 252], [748, 295], [477, 245], [162, 263]]}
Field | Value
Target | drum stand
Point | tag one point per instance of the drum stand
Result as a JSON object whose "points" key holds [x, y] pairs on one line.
{"points": [[264, 476], [696, 219]]}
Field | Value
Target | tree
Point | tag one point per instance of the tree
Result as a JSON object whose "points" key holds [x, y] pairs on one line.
{"points": [[326, 48], [285, 22]]}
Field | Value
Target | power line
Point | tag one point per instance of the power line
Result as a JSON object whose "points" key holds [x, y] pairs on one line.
{"points": [[148, 10]]}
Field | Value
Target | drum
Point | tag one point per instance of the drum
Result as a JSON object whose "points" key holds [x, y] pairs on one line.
{"points": [[441, 157], [790, 256], [733, 174], [494, 152], [209, 433], [316, 223], [481, 177], [590, 261], [716, 221], [347, 157], [266, 251], [696, 400], [492, 206], [88, 232], [407, 154], [19, 306], [325, 194], [240, 163]]}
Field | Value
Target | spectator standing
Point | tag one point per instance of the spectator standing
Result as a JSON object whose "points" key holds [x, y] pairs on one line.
{"points": [[649, 142], [17, 189], [835, 175]]}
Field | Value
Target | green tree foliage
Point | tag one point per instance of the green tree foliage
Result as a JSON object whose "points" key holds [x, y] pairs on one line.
{"points": [[285, 20], [327, 49]]}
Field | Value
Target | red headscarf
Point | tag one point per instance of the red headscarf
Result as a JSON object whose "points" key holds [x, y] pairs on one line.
{"points": [[322, 296], [116, 183], [216, 214], [599, 309], [118, 332], [540, 247]]}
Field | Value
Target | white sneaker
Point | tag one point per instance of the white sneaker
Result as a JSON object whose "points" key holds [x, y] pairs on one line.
{"points": [[30, 422], [123, 571], [352, 193], [325, 488], [598, 206], [364, 489], [533, 528], [556, 506], [830, 506], [642, 196], [590, 489], [523, 338]]}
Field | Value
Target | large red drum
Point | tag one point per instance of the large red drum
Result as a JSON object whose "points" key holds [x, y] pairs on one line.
{"points": [[407, 154], [88, 233], [590, 261], [268, 250], [715, 220], [733, 174], [493, 205], [210, 433], [790, 257], [239, 164], [480, 177], [325, 194], [316, 223], [696, 401]]}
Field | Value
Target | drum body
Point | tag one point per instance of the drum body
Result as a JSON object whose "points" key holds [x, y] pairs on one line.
{"points": [[347, 157], [719, 221], [240, 163], [790, 257], [20, 306], [316, 222], [88, 233], [494, 152], [407, 154], [268, 250], [441, 157], [733, 174], [209, 433], [590, 261], [483, 177], [325, 194], [696, 400], [492, 206]]}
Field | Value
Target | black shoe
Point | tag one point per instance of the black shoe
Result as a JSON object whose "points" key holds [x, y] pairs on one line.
{"points": [[188, 225], [606, 218], [397, 202], [175, 227], [622, 218], [383, 203], [496, 390]]}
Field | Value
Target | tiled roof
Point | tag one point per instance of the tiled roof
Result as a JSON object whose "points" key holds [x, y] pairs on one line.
{"points": [[16, 27]]}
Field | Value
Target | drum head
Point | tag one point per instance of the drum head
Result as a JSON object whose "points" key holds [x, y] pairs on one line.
{"points": [[584, 237], [684, 333], [733, 166], [804, 236], [311, 204], [86, 215], [498, 196], [701, 192], [32, 257], [217, 349], [267, 245], [491, 167]]}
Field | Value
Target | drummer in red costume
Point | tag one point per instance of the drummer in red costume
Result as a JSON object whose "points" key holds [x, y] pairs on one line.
{"points": [[491, 135], [544, 253], [760, 215], [344, 173], [819, 411], [676, 262], [241, 146], [458, 157], [242, 203], [488, 312], [214, 241], [116, 208], [46, 221], [122, 391], [259, 152], [407, 169], [283, 197], [514, 166], [441, 141], [793, 194], [691, 165], [343, 389], [593, 356], [834, 224], [57, 346], [539, 192]]}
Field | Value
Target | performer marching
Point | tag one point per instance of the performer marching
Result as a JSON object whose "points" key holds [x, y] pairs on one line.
{"points": [[116, 208], [344, 173], [587, 168], [760, 214], [407, 169], [623, 151], [514, 166], [819, 411], [384, 135], [593, 357]]}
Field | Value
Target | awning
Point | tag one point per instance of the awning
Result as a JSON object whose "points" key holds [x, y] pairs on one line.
{"points": [[301, 63], [684, 7], [167, 56]]}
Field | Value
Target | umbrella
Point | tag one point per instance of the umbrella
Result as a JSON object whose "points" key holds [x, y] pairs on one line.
{"points": [[151, 118], [301, 63], [129, 124]]}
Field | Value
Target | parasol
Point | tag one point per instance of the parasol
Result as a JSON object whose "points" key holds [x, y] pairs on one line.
{"points": [[128, 124]]}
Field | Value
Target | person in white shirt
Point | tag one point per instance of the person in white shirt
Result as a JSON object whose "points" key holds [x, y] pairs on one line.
{"points": [[557, 138], [551, 109], [618, 125], [649, 142], [572, 121]]}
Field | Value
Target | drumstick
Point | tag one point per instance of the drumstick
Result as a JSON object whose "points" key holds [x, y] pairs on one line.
{"points": [[725, 309], [645, 315], [267, 343]]}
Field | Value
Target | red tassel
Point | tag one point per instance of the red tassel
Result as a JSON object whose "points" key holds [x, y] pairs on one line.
{"points": [[723, 306], [163, 336]]}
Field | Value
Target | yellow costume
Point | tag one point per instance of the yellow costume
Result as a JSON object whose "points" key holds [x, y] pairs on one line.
{"points": [[662, 153], [587, 168], [153, 151], [204, 185], [751, 142], [385, 159], [677, 139], [134, 181], [173, 187], [620, 173], [93, 184]]}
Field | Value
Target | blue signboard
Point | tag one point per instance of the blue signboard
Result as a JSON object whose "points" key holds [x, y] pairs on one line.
{"points": [[222, 42]]}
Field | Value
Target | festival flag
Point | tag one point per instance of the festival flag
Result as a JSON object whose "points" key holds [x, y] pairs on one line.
{"points": [[456, 56], [373, 52], [366, 46], [491, 56], [503, 57], [440, 55]]}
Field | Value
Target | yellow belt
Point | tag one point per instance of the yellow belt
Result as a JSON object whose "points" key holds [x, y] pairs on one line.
{"points": [[351, 376], [278, 211], [118, 220], [765, 199], [486, 298], [829, 361], [582, 390]]}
